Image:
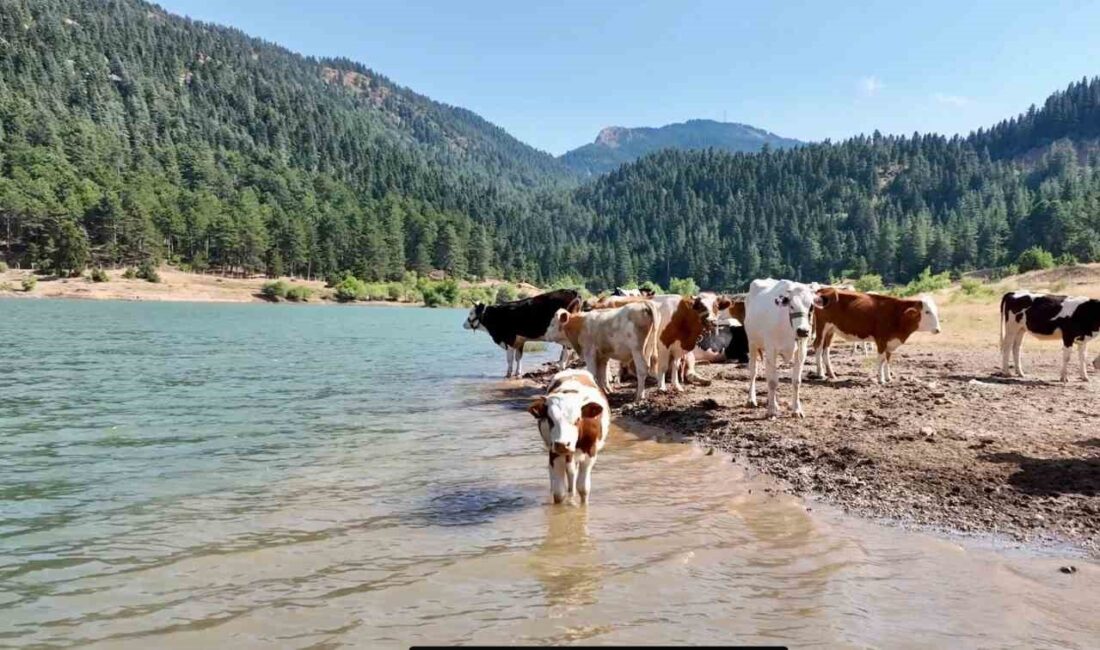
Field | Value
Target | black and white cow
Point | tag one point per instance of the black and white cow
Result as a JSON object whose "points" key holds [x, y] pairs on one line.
{"points": [[1073, 320], [727, 338], [511, 324]]}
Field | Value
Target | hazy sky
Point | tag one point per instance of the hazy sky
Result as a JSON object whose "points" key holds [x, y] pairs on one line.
{"points": [[554, 73]]}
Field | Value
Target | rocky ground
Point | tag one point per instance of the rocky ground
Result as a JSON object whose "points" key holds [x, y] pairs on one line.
{"points": [[949, 445]]}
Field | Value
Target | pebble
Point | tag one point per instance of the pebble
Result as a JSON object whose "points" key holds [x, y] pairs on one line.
{"points": [[927, 432], [1068, 569]]}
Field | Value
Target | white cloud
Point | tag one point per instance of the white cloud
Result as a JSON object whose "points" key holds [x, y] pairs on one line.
{"points": [[869, 86], [950, 100]]}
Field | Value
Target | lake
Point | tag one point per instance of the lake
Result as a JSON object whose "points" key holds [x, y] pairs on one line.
{"points": [[179, 475]]}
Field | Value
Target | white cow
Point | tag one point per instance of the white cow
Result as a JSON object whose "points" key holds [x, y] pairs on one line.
{"points": [[777, 324], [627, 333], [574, 420]]}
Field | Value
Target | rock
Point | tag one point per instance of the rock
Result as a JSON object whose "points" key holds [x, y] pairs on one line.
{"points": [[1068, 569], [708, 404], [710, 452], [927, 432]]}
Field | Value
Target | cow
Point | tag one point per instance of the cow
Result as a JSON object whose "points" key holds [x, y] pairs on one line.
{"points": [[728, 340], [574, 420], [777, 324], [511, 324], [857, 316], [641, 292], [683, 322], [1072, 319], [628, 333]]}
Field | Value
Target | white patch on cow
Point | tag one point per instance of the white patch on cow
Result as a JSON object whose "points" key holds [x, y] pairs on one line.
{"points": [[1025, 294], [1069, 306], [929, 316]]}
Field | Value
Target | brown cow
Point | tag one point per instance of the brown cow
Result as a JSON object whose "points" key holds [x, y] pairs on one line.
{"points": [[886, 320]]}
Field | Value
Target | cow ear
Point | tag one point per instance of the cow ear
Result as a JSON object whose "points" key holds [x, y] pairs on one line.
{"points": [[724, 303], [591, 410], [563, 317], [538, 407], [574, 306]]}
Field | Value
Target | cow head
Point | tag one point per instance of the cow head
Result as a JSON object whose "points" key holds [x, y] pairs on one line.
{"points": [[828, 296], [799, 300], [555, 331], [707, 312], [929, 316], [473, 319], [559, 417]]}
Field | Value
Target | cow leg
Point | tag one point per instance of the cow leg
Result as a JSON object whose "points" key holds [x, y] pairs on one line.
{"points": [[664, 355], [828, 353], [571, 475], [772, 361], [1082, 352], [511, 356], [563, 360], [1007, 344], [557, 476], [1016, 343], [1067, 352], [753, 363], [584, 478], [796, 379], [675, 357], [880, 367], [889, 371], [519, 360], [641, 368]]}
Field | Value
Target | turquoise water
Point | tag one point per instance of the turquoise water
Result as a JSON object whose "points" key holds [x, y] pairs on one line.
{"points": [[192, 476]]}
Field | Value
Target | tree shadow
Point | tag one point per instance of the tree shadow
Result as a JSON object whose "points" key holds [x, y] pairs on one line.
{"points": [[1091, 442], [1051, 476]]}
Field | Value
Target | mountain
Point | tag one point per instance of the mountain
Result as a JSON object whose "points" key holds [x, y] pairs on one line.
{"points": [[891, 205], [160, 136], [616, 145], [129, 134]]}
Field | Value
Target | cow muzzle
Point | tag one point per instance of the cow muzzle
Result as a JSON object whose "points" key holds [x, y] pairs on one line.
{"points": [[802, 332]]}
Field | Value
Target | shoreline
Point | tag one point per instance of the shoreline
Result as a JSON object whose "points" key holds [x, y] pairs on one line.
{"points": [[868, 455]]}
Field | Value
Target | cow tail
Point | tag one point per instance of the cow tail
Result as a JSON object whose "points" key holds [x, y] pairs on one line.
{"points": [[1004, 318], [649, 347]]}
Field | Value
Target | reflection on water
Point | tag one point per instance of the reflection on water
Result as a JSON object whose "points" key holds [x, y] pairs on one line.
{"points": [[566, 563], [257, 476]]}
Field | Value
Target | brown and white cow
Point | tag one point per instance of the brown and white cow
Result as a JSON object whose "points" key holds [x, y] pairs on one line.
{"points": [[1072, 320], [626, 334], [857, 316], [574, 420]]}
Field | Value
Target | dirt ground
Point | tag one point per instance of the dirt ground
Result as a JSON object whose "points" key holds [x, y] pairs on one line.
{"points": [[950, 445]]}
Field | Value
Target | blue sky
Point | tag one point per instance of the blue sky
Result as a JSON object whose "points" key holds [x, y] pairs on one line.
{"points": [[554, 73]]}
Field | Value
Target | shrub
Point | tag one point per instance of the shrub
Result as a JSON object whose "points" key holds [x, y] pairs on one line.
{"points": [[652, 286], [147, 270], [1066, 259], [29, 283], [299, 293], [3, 266], [6, 286], [683, 286], [129, 273], [99, 275], [449, 290], [395, 291], [975, 287], [350, 289], [926, 283], [506, 293], [432, 297], [869, 282], [1033, 259], [1004, 271], [275, 289]]}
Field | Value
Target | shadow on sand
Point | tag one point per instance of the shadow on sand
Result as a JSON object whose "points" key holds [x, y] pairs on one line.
{"points": [[1051, 476]]}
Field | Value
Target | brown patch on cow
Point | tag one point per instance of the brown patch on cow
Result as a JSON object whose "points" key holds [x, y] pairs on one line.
{"points": [[723, 303], [538, 407], [686, 324], [589, 432], [737, 310]]}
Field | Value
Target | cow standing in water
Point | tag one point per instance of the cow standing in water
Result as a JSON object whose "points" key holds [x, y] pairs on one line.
{"points": [[574, 420], [1073, 320], [512, 324]]}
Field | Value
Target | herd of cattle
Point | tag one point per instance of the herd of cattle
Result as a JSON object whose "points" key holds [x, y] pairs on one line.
{"points": [[662, 337]]}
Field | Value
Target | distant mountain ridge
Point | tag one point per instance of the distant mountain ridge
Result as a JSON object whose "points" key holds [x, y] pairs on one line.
{"points": [[616, 145]]}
